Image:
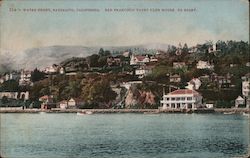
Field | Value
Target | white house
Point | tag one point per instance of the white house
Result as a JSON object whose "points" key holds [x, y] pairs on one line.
{"points": [[74, 102], [139, 59], [239, 101], [15, 95], [126, 54], [127, 85], [175, 78], [182, 99], [63, 104], [153, 59], [194, 84], [52, 69], [2, 79], [204, 65], [209, 106], [25, 78], [143, 71], [178, 65], [11, 76], [245, 85], [61, 70], [47, 102]]}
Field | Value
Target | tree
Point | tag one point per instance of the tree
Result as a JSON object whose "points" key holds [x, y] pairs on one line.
{"points": [[185, 48], [10, 86], [101, 52], [102, 61], [4, 100], [106, 53], [98, 91], [37, 75], [93, 60]]}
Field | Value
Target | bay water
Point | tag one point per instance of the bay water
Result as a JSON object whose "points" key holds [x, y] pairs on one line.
{"points": [[129, 135]]}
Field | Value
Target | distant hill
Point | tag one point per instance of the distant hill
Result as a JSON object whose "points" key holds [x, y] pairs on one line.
{"points": [[46, 56]]}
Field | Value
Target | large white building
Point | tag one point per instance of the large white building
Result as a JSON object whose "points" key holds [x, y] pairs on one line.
{"points": [[182, 99]]}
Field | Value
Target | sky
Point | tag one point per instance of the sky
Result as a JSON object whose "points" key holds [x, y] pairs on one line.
{"points": [[211, 20]]}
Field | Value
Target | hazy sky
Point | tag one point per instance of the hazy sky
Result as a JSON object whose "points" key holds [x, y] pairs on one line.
{"points": [[212, 20]]}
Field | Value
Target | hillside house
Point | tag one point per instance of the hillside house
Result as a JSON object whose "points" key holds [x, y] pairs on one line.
{"points": [[63, 104], [175, 78], [246, 85], [25, 78], [204, 65], [194, 84], [139, 59], [74, 103], [12, 76], [52, 69], [47, 102], [15, 95], [2, 79], [113, 61], [239, 101], [143, 71], [179, 65]]}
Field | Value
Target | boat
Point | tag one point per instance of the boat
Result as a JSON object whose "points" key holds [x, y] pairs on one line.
{"points": [[89, 112], [42, 112], [151, 112], [228, 113], [245, 114], [84, 113]]}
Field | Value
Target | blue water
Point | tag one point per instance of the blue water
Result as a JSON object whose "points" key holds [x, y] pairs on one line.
{"points": [[124, 135]]}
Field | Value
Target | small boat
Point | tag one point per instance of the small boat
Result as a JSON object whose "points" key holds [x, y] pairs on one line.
{"points": [[84, 113], [151, 112], [245, 114], [89, 112], [42, 112], [228, 113]]}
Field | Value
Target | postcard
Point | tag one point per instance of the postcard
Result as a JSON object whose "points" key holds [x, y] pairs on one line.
{"points": [[124, 78]]}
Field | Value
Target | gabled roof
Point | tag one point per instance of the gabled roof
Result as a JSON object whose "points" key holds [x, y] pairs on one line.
{"points": [[140, 57], [175, 76], [184, 91], [78, 100], [239, 98], [45, 97], [63, 101]]}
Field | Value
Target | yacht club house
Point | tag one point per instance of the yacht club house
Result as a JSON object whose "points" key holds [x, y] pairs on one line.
{"points": [[182, 99]]}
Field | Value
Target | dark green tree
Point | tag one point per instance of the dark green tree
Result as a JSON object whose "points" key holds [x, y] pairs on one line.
{"points": [[4, 100], [37, 75], [10, 86], [93, 60], [101, 52]]}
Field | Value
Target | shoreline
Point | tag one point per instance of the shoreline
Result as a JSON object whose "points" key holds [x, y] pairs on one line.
{"points": [[145, 111]]}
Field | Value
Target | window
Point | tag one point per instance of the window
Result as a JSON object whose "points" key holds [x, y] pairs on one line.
{"points": [[178, 98], [172, 98], [172, 105], [178, 105], [189, 98], [182, 98]]}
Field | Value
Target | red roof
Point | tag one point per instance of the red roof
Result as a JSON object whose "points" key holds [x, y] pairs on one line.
{"points": [[63, 101], [44, 97], [184, 91], [140, 57]]}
